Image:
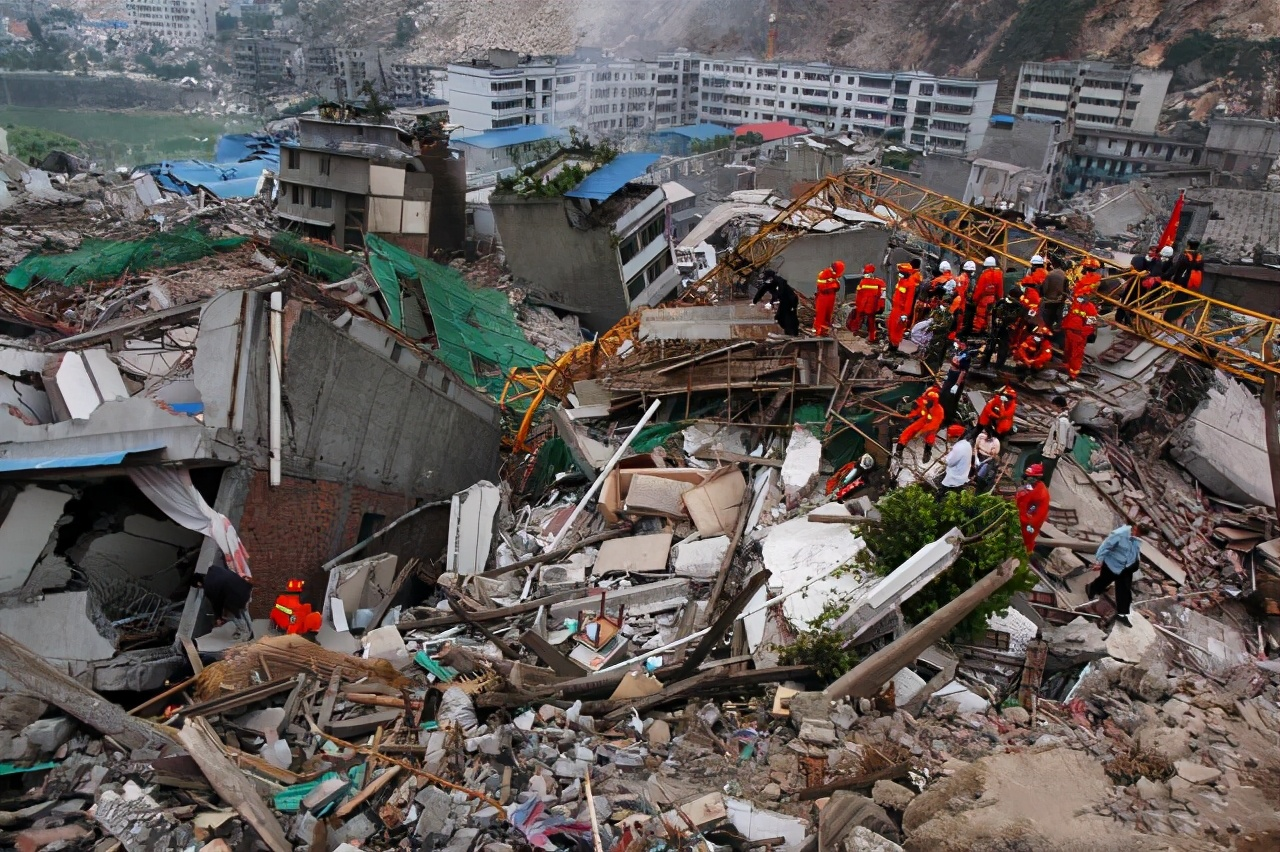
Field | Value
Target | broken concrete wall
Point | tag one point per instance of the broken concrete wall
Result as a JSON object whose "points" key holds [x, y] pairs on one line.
{"points": [[1223, 444], [802, 259], [576, 265], [355, 417]]}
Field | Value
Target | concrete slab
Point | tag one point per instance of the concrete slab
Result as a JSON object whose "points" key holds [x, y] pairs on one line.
{"points": [[700, 559], [1130, 644], [25, 532], [1223, 444], [130, 556], [797, 552], [471, 528], [800, 467], [162, 530], [59, 626]]}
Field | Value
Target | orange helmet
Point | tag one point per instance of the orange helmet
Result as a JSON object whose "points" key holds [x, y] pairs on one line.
{"points": [[838, 268]]}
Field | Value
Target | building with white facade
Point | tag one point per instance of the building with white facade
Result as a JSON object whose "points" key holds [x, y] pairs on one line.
{"points": [[1097, 95], [933, 113], [624, 97], [175, 21]]}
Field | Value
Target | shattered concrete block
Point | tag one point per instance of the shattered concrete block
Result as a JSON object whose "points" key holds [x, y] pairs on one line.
{"points": [[700, 559], [1130, 644], [888, 794], [1223, 444], [1196, 773], [862, 839], [1075, 644], [1016, 715], [1063, 562], [800, 467], [1152, 791], [48, 734], [819, 731]]}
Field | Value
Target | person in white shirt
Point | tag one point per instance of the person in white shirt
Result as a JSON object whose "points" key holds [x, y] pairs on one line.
{"points": [[987, 449], [959, 461], [1061, 437]]}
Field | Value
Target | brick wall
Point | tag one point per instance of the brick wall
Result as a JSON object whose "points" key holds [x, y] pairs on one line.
{"points": [[291, 530]]}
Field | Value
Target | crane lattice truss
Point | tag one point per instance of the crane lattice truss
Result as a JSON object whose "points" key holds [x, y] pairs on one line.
{"points": [[1237, 341]]}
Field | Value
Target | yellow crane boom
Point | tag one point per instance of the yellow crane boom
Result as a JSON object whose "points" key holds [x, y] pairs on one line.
{"points": [[1235, 340]]}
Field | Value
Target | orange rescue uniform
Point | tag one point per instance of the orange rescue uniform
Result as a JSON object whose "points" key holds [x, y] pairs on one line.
{"points": [[904, 296], [868, 302], [927, 418], [1033, 510]]}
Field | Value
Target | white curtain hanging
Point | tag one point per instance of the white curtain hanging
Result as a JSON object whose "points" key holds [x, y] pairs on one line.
{"points": [[171, 490]]}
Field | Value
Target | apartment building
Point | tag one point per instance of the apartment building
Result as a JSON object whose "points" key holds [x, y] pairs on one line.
{"points": [[507, 90], [175, 21], [262, 62], [1097, 95], [342, 180], [415, 84], [948, 114], [631, 97]]}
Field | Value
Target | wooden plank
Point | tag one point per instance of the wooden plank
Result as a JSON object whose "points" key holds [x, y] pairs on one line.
{"points": [[330, 696], [153, 706], [232, 784], [490, 614], [550, 655], [722, 623], [866, 678], [1167, 566], [36, 677], [556, 555], [361, 725], [237, 700], [349, 806], [735, 458], [193, 656], [890, 773]]}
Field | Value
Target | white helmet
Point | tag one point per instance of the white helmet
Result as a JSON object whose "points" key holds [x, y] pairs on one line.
{"points": [[1037, 260], [946, 267], [1166, 252], [991, 261], [970, 266]]}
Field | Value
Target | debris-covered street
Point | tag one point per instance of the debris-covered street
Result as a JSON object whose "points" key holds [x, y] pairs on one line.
{"points": [[311, 549]]}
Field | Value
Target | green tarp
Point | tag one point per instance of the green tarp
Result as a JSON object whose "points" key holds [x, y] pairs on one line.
{"points": [[102, 260], [476, 329], [321, 262]]}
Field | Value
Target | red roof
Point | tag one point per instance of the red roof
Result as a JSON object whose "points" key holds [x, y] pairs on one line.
{"points": [[19, 29], [772, 130]]}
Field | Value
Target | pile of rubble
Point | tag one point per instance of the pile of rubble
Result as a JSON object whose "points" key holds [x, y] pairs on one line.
{"points": [[612, 645]]}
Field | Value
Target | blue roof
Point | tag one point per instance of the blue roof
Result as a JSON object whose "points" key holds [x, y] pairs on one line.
{"points": [[701, 132], [511, 136], [241, 159], [612, 176]]}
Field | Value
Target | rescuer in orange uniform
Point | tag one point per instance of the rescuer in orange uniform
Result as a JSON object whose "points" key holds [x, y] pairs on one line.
{"points": [[1033, 505], [927, 416], [986, 292], [904, 295], [868, 302], [1036, 350], [824, 304], [291, 615], [1089, 279], [1080, 322], [999, 410]]}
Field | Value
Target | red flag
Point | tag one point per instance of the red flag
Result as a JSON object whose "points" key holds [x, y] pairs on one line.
{"points": [[1171, 230]]}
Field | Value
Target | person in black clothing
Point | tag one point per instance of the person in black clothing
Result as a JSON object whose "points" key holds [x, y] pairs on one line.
{"points": [[953, 384], [1005, 316], [781, 294], [226, 591]]}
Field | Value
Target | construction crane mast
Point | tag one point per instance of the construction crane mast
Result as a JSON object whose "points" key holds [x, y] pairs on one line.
{"points": [[1238, 341]]}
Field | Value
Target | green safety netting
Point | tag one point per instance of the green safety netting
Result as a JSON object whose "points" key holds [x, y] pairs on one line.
{"points": [[100, 260], [476, 329], [322, 262]]}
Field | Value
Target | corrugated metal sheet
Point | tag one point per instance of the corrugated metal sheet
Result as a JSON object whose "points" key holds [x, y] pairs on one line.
{"points": [[612, 176], [507, 136]]}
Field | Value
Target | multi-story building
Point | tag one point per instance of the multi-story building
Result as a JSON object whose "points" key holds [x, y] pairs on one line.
{"points": [[414, 84], [505, 91], [620, 97], [175, 21], [1093, 95], [338, 73], [933, 113], [262, 62], [341, 180]]}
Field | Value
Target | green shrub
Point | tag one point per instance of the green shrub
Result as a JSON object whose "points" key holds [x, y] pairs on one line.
{"points": [[27, 143], [910, 518]]}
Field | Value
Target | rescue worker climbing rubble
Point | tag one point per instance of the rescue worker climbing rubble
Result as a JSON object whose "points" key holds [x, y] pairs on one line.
{"points": [[926, 419], [1033, 505], [868, 302], [824, 303], [1080, 323], [999, 410], [988, 289], [904, 294]]}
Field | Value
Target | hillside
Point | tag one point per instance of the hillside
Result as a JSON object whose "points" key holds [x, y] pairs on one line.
{"points": [[1209, 39]]}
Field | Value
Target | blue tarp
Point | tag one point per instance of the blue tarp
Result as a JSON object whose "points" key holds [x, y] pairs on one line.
{"points": [[240, 159], [10, 465], [612, 176]]}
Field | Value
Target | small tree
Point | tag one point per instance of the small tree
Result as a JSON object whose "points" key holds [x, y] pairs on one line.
{"points": [[910, 518]]}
